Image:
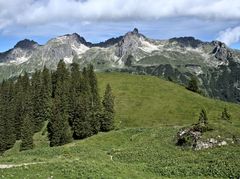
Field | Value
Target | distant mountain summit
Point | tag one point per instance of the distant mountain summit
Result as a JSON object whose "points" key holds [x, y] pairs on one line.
{"points": [[26, 44], [215, 65]]}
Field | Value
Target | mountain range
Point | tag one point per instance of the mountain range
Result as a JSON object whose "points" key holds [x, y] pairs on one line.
{"points": [[216, 66]]}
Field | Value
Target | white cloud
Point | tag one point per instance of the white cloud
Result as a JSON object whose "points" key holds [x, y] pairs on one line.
{"points": [[32, 15], [32, 12], [230, 35]]}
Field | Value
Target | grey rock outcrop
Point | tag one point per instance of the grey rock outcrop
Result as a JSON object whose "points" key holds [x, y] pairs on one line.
{"points": [[129, 43], [221, 51]]}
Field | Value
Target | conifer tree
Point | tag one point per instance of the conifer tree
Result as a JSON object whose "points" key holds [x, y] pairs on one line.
{"points": [[81, 123], [193, 85], [226, 115], [95, 108], [9, 121], [46, 91], [54, 126], [74, 92], [107, 122], [27, 134], [23, 102], [7, 127], [19, 103], [203, 119], [58, 127], [37, 101]]}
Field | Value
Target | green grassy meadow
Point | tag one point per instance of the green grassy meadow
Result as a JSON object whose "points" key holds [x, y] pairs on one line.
{"points": [[149, 112]]}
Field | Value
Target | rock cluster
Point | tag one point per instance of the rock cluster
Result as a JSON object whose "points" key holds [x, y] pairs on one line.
{"points": [[191, 137]]}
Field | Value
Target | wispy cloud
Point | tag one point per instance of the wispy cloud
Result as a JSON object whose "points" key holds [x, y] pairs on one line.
{"points": [[230, 35], [45, 17]]}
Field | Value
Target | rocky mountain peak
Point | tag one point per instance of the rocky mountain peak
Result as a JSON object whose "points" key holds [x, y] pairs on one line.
{"points": [[221, 51], [79, 38], [70, 39], [135, 32], [129, 43], [186, 41], [26, 44]]}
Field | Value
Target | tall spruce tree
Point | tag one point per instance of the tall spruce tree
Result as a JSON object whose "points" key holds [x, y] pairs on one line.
{"points": [[27, 134], [95, 107], [19, 106], [226, 115], [46, 92], [193, 85], [81, 125], [23, 102], [3, 116], [37, 101], [7, 127], [9, 109], [203, 119], [107, 122], [74, 92], [58, 127]]}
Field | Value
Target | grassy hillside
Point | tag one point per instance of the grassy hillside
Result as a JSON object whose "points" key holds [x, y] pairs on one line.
{"points": [[149, 112], [145, 101], [127, 153]]}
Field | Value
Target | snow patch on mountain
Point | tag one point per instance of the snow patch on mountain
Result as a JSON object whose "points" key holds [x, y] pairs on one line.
{"points": [[20, 60], [147, 46], [68, 60], [79, 49]]}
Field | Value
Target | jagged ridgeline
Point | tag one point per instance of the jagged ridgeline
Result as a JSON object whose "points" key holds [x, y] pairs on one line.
{"points": [[66, 99], [216, 66]]}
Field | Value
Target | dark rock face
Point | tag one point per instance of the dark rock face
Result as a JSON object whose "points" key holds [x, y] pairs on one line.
{"points": [[26, 44], [108, 42], [129, 43], [79, 39], [187, 41], [220, 51], [4, 55], [223, 83]]}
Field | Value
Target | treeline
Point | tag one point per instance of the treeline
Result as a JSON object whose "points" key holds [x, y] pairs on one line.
{"points": [[68, 100]]}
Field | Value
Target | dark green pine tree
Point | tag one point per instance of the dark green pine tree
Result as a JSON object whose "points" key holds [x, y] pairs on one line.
{"points": [[107, 122], [58, 127], [23, 102], [46, 92], [10, 121], [74, 92], [193, 85], [7, 127], [27, 134], [81, 123], [203, 119], [37, 101], [2, 122], [95, 108], [54, 130], [53, 82], [226, 115], [19, 103], [3, 146]]}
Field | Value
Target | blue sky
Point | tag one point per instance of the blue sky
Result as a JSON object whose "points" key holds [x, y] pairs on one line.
{"points": [[98, 20]]}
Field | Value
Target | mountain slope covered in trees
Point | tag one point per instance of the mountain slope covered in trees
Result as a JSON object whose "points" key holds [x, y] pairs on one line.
{"points": [[68, 101]]}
